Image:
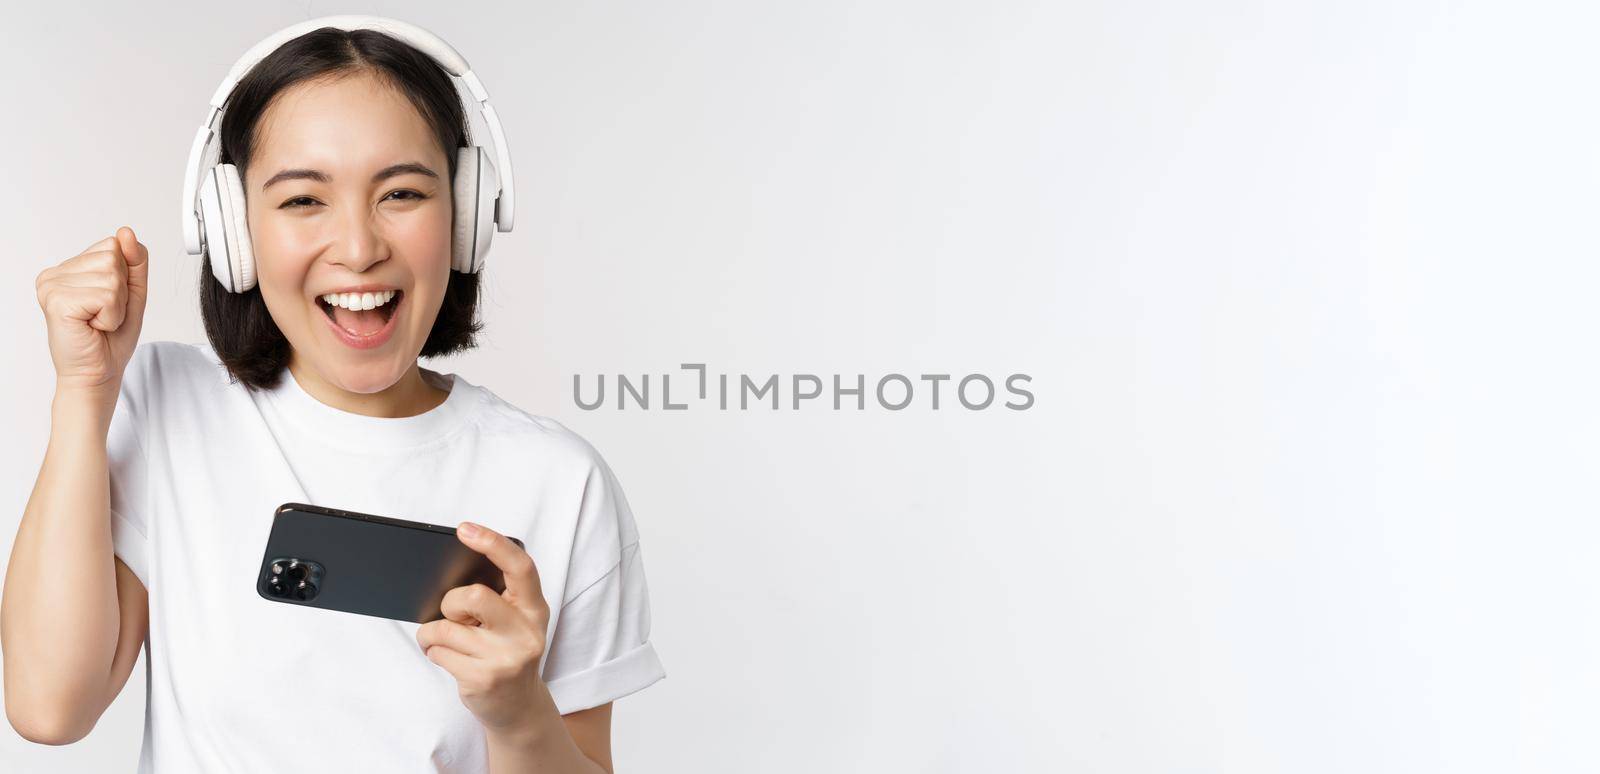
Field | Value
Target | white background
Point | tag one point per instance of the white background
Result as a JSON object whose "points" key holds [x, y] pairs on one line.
{"points": [[1306, 291]]}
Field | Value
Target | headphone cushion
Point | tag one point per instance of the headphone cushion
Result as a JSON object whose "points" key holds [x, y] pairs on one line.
{"points": [[475, 187], [223, 218], [238, 224]]}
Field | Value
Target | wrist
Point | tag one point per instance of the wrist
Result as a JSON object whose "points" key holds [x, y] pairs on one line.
{"points": [[74, 405], [527, 735], [534, 728]]}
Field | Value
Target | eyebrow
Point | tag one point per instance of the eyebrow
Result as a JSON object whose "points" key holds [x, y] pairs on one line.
{"points": [[393, 170]]}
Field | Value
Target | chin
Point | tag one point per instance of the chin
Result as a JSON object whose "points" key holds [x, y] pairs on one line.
{"points": [[378, 383], [363, 378]]}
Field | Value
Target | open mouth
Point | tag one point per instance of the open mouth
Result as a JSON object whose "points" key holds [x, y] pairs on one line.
{"points": [[361, 314]]}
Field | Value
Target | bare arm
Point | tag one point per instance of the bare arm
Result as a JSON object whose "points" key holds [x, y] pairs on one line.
{"points": [[72, 616], [67, 651], [579, 744]]}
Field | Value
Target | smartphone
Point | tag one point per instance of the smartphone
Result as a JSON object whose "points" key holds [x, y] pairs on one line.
{"points": [[366, 564]]}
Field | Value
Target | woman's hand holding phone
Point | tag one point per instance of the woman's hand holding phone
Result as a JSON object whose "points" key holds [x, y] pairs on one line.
{"points": [[492, 642], [93, 306]]}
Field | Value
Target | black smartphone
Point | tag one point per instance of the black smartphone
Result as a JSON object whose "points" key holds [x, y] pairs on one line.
{"points": [[366, 564]]}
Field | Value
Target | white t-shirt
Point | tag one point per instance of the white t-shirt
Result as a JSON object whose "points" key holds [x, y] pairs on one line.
{"points": [[238, 683]]}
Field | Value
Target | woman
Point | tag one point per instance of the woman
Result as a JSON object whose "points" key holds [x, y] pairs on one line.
{"points": [[167, 460]]}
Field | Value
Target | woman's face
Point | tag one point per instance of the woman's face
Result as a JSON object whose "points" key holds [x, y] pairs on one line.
{"points": [[348, 191]]}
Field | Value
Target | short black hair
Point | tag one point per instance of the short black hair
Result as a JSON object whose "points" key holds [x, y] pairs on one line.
{"points": [[239, 326]]}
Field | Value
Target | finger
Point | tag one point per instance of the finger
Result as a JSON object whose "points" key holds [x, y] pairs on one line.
{"points": [[107, 261], [458, 664], [459, 637], [114, 304], [94, 305], [102, 244], [478, 604], [87, 279], [522, 577], [112, 313], [105, 268]]}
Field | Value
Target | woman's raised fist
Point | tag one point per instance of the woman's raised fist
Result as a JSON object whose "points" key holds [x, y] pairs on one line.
{"points": [[93, 308]]}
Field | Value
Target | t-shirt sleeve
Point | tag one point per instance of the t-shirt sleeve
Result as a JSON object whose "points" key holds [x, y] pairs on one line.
{"points": [[128, 466], [601, 650]]}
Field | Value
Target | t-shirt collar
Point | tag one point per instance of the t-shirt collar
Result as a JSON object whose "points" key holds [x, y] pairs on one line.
{"points": [[362, 432]]}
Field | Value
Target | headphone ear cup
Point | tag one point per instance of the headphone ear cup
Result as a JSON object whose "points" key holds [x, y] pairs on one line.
{"points": [[244, 258], [214, 228], [227, 235], [475, 188]]}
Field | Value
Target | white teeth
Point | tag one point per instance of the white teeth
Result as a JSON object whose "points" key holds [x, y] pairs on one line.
{"points": [[359, 301]]}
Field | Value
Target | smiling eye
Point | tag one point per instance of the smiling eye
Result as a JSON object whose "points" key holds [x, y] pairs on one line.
{"points": [[306, 201]]}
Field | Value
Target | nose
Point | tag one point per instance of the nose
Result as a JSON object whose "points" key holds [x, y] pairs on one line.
{"points": [[360, 240]]}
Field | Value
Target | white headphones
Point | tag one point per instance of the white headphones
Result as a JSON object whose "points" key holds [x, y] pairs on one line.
{"points": [[483, 189]]}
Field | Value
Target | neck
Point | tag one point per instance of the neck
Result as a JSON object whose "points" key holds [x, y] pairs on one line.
{"points": [[407, 397]]}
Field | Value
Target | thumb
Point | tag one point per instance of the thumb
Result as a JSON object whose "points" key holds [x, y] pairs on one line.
{"points": [[138, 258]]}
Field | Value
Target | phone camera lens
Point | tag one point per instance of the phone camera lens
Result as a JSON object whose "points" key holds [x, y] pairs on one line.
{"points": [[289, 578]]}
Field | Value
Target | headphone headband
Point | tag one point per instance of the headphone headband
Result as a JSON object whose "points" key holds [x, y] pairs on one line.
{"points": [[424, 41]]}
